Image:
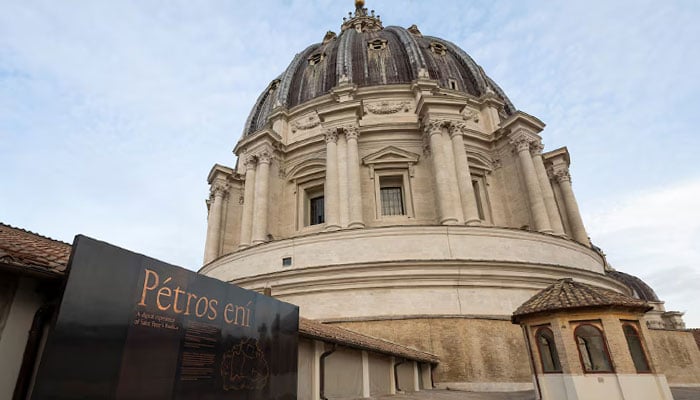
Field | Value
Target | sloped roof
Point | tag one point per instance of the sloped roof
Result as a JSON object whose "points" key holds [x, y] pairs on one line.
{"points": [[346, 337], [638, 286], [27, 250], [566, 294]]}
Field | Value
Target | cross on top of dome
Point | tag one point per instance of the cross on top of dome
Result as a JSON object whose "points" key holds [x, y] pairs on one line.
{"points": [[361, 20]]}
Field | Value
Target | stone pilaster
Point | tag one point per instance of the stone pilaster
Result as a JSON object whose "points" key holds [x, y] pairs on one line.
{"points": [[343, 202], [219, 191], [433, 129], [262, 184], [578, 232], [547, 193], [248, 202], [464, 178], [331, 188], [521, 141], [354, 188]]}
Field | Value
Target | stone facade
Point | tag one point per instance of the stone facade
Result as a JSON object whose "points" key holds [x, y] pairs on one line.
{"points": [[377, 201]]}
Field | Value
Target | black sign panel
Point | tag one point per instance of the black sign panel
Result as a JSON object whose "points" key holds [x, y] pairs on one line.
{"points": [[132, 327]]}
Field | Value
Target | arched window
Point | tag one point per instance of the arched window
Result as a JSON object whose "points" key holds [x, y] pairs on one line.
{"points": [[548, 350], [634, 343], [592, 349]]}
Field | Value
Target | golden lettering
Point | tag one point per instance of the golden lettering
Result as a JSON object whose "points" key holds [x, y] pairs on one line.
{"points": [[175, 301], [189, 298], [242, 310], [146, 288], [227, 309], [196, 307], [161, 292], [212, 309]]}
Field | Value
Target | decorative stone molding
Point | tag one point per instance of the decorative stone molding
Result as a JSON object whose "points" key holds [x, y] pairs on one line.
{"points": [[331, 135], [307, 122], [250, 162], [351, 132], [522, 140], [264, 156], [423, 73], [536, 148], [387, 107], [471, 115], [391, 157], [562, 175], [433, 126], [219, 189], [457, 128]]}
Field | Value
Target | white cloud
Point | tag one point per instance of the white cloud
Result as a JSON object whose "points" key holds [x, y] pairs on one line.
{"points": [[655, 234]]}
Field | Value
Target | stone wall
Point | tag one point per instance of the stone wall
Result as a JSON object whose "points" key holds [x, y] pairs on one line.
{"points": [[470, 350], [676, 355]]}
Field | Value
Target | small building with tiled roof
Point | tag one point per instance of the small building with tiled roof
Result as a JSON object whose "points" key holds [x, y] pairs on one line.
{"points": [[31, 272], [588, 342]]}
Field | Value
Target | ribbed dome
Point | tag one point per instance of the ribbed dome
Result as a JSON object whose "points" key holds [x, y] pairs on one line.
{"points": [[366, 54], [639, 287]]}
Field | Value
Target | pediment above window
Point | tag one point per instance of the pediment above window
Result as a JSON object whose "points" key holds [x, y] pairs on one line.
{"points": [[307, 169], [391, 157], [391, 154]]}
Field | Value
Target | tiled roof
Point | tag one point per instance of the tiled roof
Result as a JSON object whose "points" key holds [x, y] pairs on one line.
{"points": [[345, 337], [640, 288], [24, 249], [565, 294]]}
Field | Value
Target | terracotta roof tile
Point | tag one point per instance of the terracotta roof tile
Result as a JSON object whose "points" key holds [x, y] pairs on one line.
{"points": [[21, 248], [565, 294], [346, 337]]}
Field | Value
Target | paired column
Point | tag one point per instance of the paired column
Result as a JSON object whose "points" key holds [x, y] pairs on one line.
{"points": [[547, 191], [532, 184], [212, 249], [343, 180], [331, 188], [353, 174], [262, 183], [448, 216], [572, 212], [464, 179], [248, 200]]}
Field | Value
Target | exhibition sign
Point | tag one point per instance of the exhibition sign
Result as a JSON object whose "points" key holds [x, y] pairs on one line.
{"points": [[132, 327]]}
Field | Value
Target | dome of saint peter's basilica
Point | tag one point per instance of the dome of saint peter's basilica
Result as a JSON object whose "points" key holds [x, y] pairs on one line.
{"points": [[384, 183]]}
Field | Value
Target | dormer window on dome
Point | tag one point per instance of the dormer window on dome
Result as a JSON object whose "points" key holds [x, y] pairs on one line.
{"points": [[316, 58], [377, 44], [438, 48]]}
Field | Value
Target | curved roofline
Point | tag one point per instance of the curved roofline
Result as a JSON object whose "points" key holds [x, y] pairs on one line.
{"points": [[345, 50]]}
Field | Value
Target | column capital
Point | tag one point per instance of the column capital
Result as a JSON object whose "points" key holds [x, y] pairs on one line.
{"points": [[536, 148], [351, 131], [562, 174], [521, 144], [331, 135], [264, 156], [250, 162], [522, 139], [457, 128], [219, 189], [433, 126]]}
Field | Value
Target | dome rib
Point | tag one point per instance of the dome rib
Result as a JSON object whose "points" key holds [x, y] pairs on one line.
{"points": [[638, 286], [399, 62]]}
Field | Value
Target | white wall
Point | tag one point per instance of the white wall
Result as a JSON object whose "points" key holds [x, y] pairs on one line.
{"points": [[13, 339]]}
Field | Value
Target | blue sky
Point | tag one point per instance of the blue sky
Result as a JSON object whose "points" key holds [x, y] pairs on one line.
{"points": [[112, 113]]}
